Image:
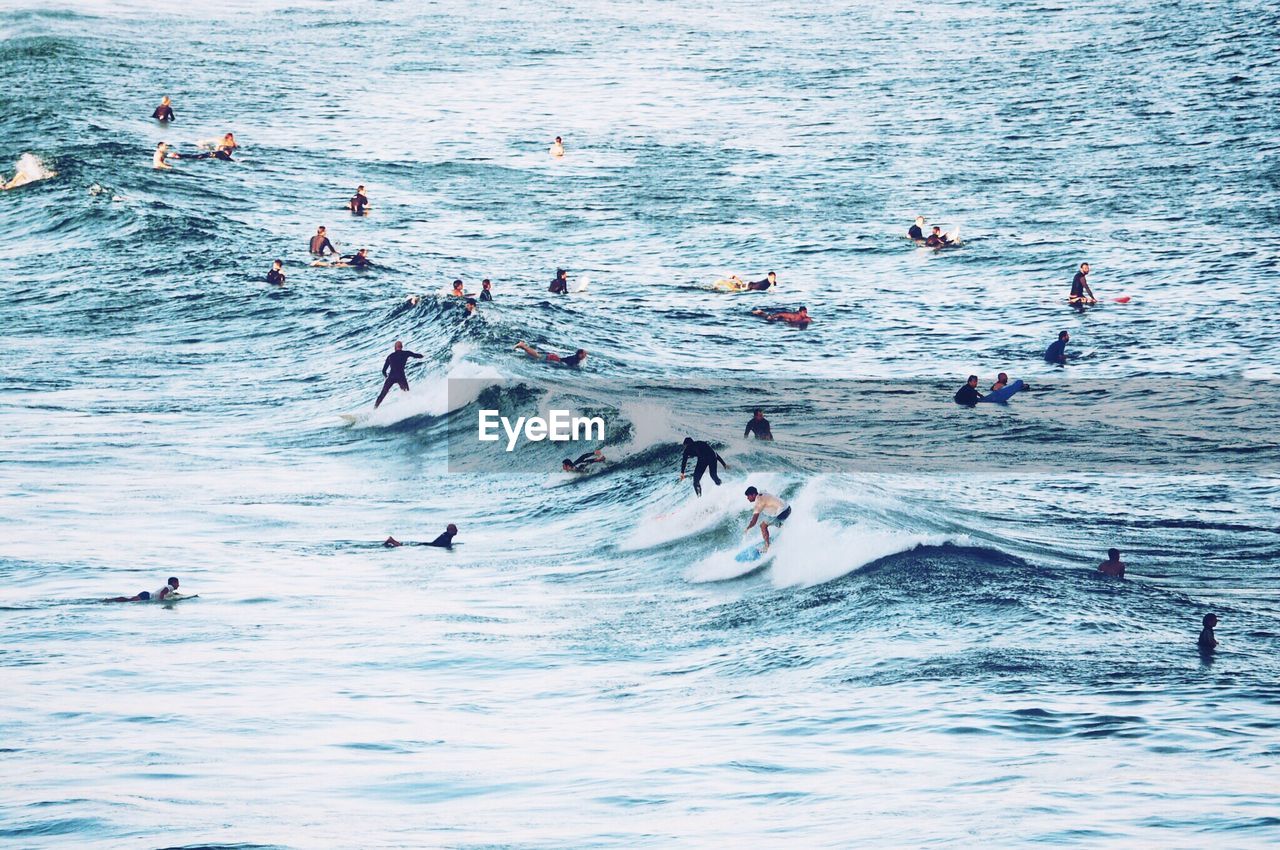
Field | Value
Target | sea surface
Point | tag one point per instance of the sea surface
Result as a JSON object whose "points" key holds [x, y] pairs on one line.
{"points": [[927, 658]]}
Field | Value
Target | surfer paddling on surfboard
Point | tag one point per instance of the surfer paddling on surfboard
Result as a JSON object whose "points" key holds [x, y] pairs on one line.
{"points": [[393, 371], [799, 318], [768, 509], [583, 462], [169, 590], [444, 541]]}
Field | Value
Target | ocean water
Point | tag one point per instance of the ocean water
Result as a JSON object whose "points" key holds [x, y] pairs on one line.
{"points": [[926, 660]]}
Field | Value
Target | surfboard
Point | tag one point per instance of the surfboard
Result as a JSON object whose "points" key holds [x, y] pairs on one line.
{"points": [[726, 285], [1001, 396], [1123, 299], [175, 597], [756, 551]]}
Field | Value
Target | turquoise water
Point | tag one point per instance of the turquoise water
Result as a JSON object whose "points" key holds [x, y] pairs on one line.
{"points": [[927, 660]]}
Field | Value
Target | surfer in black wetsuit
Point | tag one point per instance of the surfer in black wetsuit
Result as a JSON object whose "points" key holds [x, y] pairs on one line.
{"points": [[560, 284], [581, 464], [571, 360], [486, 290], [223, 154], [359, 260], [276, 275], [767, 282], [706, 462], [1208, 642], [937, 239], [759, 426], [164, 112], [968, 394], [1080, 291], [359, 201], [916, 232], [1057, 351], [320, 243], [393, 371], [444, 541]]}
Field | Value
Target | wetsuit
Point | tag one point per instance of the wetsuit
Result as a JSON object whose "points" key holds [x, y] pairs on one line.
{"points": [[915, 233], [968, 395], [356, 260], [759, 427], [486, 295], [707, 460], [571, 361], [1077, 285], [320, 245], [1056, 352], [275, 276], [580, 465], [559, 286], [935, 241], [444, 541], [1207, 640], [221, 153], [358, 202], [393, 369], [163, 113], [758, 285]]}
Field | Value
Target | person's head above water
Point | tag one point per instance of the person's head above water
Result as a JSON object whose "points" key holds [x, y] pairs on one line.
{"points": [[451, 528], [973, 380], [173, 582], [471, 305], [1002, 378], [360, 189], [1064, 336], [320, 230], [581, 354], [557, 140], [399, 345], [920, 220], [567, 465], [164, 101], [277, 264], [688, 441], [485, 284], [561, 274], [457, 284], [772, 276], [1084, 267], [759, 414], [1210, 621], [751, 494], [1113, 554], [363, 252], [803, 311], [937, 229]]}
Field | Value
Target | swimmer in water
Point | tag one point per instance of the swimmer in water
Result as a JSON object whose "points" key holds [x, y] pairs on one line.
{"points": [[457, 292], [228, 143], [1112, 566], [583, 462], [164, 112], [158, 158], [767, 509], [1208, 642], [393, 371], [486, 290], [916, 232], [170, 589], [1002, 381], [800, 318], [471, 306], [1057, 351], [560, 283], [759, 426], [968, 394], [557, 147], [358, 260], [706, 461], [937, 239], [359, 202], [444, 541], [1080, 291], [320, 243], [276, 275], [571, 360]]}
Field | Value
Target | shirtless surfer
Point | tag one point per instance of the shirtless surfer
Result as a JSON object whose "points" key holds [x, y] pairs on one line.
{"points": [[767, 508]]}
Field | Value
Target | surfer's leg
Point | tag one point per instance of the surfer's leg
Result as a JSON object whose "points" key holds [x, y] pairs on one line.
{"points": [[712, 470], [528, 349], [764, 532], [386, 388], [698, 471]]}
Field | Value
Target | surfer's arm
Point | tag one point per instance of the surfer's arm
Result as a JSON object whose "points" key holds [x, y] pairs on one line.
{"points": [[722, 463], [755, 517], [386, 367], [415, 355], [684, 463]]}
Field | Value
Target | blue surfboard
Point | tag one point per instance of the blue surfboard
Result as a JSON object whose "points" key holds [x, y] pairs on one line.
{"points": [[1001, 396], [756, 551]]}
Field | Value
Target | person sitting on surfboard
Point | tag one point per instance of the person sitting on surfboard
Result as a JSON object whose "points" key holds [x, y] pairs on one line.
{"points": [[393, 370], [768, 509], [759, 426], [170, 589], [358, 260], [799, 318], [164, 112], [571, 360], [968, 394], [320, 243], [486, 290], [444, 541], [916, 232], [937, 239], [560, 283], [1080, 291], [1113, 566], [1057, 351], [457, 292], [581, 464], [276, 275], [706, 462], [358, 203]]}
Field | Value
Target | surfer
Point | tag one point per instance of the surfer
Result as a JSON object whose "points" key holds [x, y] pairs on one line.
{"points": [[759, 426], [359, 201], [320, 243], [164, 112], [1057, 351], [560, 283], [800, 318], [443, 541], [471, 306], [570, 360], [557, 147], [706, 462], [359, 260], [916, 233], [457, 292], [228, 143], [768, 509], [1080, 291], [1002, 381], [1208, 641], [767, 282], [169, 589], [1113, 566], [276, 275], [937, 239], [968, 394], [581, 464], [393, 371], [158, 158], [486, 290]]}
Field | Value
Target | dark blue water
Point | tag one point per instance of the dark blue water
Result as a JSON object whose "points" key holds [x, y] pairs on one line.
{"points": [[927, 658]]}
